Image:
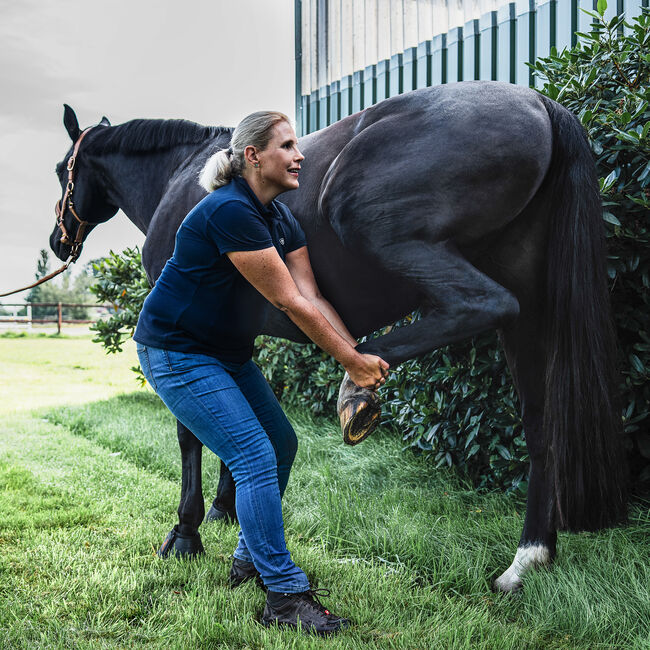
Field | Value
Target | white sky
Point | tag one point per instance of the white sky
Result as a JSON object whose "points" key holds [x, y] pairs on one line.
{"points": [[211, 61]]}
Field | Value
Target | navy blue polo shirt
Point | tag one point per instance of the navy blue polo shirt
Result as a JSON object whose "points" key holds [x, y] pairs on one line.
{"points": [[201, 303]]}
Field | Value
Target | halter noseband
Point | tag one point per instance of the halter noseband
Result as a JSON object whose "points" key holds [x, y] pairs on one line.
{"points": [[65, 203]]}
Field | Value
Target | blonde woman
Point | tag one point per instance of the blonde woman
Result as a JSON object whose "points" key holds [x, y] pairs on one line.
{"points": [[237, 251]]}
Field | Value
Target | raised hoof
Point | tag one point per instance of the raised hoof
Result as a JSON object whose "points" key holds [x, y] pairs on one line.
{"points": [[181, 546], [217, 514], [359, 411]]}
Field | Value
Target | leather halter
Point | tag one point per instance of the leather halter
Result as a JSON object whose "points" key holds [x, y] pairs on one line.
{"points": [[65, 203]]}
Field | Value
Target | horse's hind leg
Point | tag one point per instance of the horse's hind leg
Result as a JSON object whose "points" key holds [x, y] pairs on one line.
{"points": [[524, 350], [458, 302], [184, 539]]}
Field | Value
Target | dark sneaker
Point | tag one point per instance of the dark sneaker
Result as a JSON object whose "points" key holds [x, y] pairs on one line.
{"points": [[241, 572], [303, 611]]}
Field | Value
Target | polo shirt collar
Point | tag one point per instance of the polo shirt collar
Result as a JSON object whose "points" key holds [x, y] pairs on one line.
{"points": [[268, 212]]}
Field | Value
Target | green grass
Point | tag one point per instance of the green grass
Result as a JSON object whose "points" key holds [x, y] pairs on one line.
{"points": [[89, 484]]}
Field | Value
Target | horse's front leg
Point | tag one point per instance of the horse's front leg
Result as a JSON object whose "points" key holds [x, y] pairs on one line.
{"points": [[184, 539]]}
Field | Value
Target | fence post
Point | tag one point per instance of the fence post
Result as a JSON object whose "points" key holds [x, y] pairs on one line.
{"points": [[29, 317], [59, 318]]}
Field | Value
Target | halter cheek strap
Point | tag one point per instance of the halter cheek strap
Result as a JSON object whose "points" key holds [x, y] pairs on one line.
{"points": [[66, 203]]}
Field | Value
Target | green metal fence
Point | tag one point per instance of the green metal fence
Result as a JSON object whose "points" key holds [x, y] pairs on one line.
{"points": [[335, 36]]}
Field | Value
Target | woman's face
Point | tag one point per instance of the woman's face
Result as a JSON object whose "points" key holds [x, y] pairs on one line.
{"points": [[279, 163]]}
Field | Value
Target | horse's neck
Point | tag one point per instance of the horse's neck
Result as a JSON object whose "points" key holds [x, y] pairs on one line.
{"points": [[137, 182]]}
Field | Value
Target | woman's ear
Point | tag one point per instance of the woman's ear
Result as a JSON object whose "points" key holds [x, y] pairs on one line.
{"points": [[250, 153]]}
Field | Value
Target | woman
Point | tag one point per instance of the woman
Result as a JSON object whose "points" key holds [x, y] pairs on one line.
{"points": [[236, 251]]}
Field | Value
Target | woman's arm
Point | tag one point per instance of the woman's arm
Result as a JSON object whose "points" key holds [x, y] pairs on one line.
{"points": [[266, 271], [300, 269]]}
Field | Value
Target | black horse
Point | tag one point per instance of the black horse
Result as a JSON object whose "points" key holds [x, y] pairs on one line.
{"points": [[475, 202]]}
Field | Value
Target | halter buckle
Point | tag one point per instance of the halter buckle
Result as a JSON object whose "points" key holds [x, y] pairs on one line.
{"points": [[71, 161]]}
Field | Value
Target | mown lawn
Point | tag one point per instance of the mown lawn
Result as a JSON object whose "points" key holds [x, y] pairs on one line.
{"points": [[89, 484]]}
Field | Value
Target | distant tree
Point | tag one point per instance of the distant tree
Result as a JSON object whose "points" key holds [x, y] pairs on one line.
{"points": [[43, 264]]}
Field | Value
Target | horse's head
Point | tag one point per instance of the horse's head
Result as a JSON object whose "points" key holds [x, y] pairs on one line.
{"points": [[84, 202]]}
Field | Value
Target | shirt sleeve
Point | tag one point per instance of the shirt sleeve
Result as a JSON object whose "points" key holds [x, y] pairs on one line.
{"points": [[297, 237], [235, 226]]}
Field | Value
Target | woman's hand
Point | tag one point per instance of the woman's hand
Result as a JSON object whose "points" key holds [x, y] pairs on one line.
{"points": [[368, 371]]}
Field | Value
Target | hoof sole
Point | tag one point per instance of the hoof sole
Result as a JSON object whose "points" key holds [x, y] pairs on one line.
{"points": [[359, 420], [180, 546]]}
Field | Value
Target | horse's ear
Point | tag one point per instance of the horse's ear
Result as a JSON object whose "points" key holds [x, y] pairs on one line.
{"points": [[104, 121], [71, 123]]}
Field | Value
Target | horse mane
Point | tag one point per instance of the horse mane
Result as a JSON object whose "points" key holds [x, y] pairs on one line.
{"points": [[142, 136]]}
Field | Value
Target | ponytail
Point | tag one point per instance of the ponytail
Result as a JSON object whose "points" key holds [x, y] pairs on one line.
{"points": [[217, 171]]}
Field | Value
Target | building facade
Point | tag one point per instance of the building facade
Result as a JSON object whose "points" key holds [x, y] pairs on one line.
{"points": [[351, 54]]}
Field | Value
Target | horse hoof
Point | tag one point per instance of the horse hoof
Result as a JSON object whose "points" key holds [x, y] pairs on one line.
{"points": [[528, 557], [359, 411], [217, 514], [180, 546]]}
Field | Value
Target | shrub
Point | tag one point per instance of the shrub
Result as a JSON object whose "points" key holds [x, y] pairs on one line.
{"points": [[121, 281]]}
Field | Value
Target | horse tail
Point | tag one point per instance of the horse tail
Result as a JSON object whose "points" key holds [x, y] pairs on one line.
{"points": [[581, 415]]}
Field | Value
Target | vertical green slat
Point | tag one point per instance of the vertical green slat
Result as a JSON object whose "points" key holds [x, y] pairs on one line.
{"points": [[313, 112], [323, 107], [304, 127], [335, 102], [488, 25], [396, 80], [525, 41], [455, 54], [439, 59], [544, 38], [369, 86], [357, 91], [423, 76], [574, 22], [564, 20], [410, 69], [298, 69], [383, 79], [346, 95], [471, 50], [507, 40]]}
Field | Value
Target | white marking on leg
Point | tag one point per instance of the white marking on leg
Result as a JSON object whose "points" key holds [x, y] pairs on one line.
{"points": [[526, 558]]}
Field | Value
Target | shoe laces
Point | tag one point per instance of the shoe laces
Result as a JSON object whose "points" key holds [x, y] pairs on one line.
{"points": [[314, 595]]}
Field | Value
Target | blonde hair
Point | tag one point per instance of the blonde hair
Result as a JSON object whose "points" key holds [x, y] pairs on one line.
{"points": [[254, 130]]}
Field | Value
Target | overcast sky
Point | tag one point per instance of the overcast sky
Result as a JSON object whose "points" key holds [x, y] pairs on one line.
{"points": [[211, 61]]}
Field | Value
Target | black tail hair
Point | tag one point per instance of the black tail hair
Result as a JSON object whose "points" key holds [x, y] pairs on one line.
{"points": [[581, 415]]}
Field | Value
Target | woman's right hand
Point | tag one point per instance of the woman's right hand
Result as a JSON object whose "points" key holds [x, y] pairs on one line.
{"points": [[368, 371]]}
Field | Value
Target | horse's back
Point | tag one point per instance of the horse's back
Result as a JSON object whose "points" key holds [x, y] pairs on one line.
{"points": [[449, 162]]}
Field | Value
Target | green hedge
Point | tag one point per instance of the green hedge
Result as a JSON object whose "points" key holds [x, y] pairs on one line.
{"points": [[458, 404]]}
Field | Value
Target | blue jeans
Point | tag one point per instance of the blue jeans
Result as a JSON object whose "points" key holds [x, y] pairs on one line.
{"points": [[232, 410]]}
